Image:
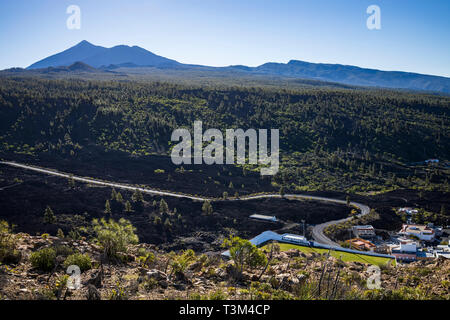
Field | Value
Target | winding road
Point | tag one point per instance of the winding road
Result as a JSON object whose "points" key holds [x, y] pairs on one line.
{"points": [[317, 232]]}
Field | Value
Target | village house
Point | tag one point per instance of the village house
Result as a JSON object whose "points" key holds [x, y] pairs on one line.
{"points": [[421, 232], [406, 250], [361, 244], [363, 231], [408, 210], [442, 251]]}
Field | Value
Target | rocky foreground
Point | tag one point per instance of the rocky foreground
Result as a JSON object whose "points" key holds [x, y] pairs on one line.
{"points": [[145, 272]]}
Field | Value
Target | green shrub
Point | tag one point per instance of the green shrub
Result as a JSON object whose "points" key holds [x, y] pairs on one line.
{"points": [[45, 236], [43, 259], [60, 234], [83, 261], [8, 252], [181, 262], [49, 216], [244, 253], [114, 236], [145, 258]]}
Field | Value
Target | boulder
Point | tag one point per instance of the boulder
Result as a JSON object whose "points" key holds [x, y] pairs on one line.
{"points": [[287, 281], [156, 274]]}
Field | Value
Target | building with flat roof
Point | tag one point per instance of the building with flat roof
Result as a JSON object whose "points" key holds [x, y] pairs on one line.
{"points": [[408, 210], [406, 250], [296, 239], [361, 244], [424, 255], [442, 250], [416, 230], [363, 231], [263, 218]]}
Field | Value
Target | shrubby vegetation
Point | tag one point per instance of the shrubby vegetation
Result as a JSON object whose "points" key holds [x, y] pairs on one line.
{"points": [[114, 236], [331, 139], [250, 274], [8, 252], [83, 261], [44, 259], [244, 253]]}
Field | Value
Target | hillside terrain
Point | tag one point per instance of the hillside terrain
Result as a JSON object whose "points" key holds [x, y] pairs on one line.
{"points": [[145, 272], [363, 145], [330, 139]]}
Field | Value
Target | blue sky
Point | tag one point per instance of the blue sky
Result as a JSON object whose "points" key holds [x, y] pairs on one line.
{"points": [[414, 35]]}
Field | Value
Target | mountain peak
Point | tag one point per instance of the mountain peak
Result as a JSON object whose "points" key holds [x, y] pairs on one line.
{"points": [[297, 62], [84, 43], [97, 56]]}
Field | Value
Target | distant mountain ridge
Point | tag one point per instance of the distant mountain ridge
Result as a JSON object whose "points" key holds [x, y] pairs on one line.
{"points": [[97, 56], [356, 76], [135, 57]]}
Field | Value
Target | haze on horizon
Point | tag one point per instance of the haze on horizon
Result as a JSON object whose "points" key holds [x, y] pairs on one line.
{"points": [[414, 36]]}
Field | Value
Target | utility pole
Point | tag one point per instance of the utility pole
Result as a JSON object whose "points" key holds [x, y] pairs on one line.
{"points": [[303, 223]]}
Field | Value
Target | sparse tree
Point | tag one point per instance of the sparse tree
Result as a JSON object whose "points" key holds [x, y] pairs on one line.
{"points": [[119, 197], [49, 216], [60, 234], [167, 224], [107, 207], [137, 196], [163, 207], [207, 208], [244, 253], [128, 207], [113, 194]]}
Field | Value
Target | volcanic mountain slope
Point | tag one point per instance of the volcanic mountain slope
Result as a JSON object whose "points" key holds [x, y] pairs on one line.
{"points": [[97, 56]]}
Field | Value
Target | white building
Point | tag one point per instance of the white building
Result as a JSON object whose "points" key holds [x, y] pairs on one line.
{"points": [[442, 251], [296, 239], [422, 232], [363, 231], [263, 218], [406, 250], [409, 211]]}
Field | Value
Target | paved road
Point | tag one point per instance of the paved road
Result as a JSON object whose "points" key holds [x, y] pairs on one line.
{"points": [[317, 231]]}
